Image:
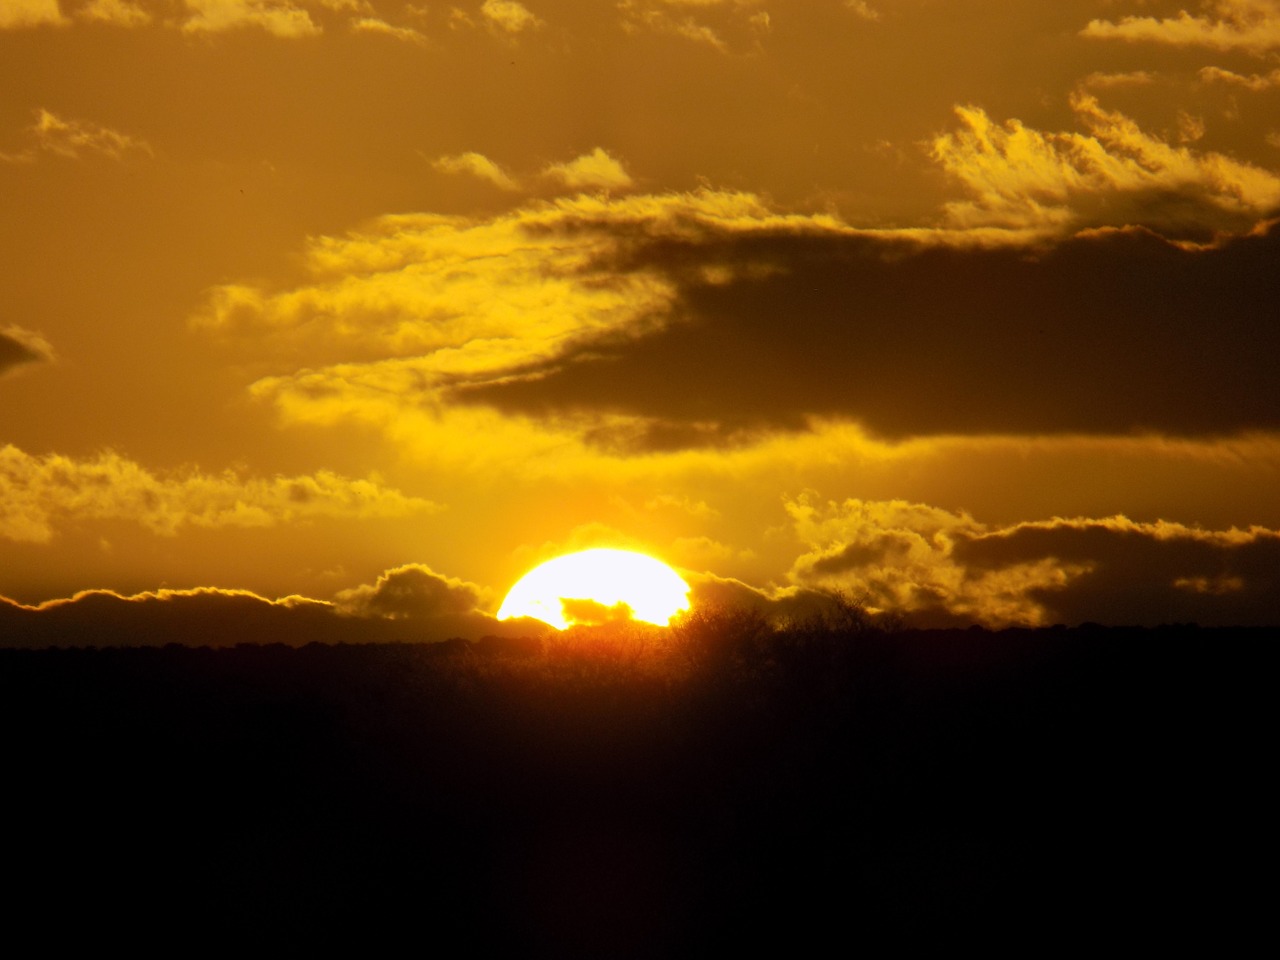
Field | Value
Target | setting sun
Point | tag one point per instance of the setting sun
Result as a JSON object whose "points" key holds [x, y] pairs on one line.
{"points": [[594, 586]]}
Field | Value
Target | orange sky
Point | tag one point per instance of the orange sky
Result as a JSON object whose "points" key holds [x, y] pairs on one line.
{"points": [[965, 306]]}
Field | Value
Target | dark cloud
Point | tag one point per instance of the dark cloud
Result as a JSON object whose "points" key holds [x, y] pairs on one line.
{"points": [[412, 591], [19, 347], [216, 618], [792, 605], [1109, 332], [1142, 573], [594, 612], [877, 549], [407, 604]]}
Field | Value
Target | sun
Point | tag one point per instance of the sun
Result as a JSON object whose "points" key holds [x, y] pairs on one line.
{"points": [[594, 586]]}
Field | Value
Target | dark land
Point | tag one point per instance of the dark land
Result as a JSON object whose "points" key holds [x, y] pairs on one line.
{"points": [[822, 789]]}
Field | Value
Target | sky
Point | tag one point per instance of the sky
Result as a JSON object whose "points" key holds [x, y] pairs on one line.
{"points": [[340, 315]]}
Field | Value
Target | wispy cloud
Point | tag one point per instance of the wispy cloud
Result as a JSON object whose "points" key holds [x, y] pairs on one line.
{"points": [[1255, 83], [863, 9], [383, 28], [17, 14], [39, 493], [1252, 26], [280, 18], [509, 16], [1116, 175], [477, 165], [75, 139], [724, 25], [597, 170], [122, 13]]}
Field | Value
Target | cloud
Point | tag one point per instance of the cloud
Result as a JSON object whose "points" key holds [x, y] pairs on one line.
{"points": [[1115, 176], [863, 9], [924, 342], [713, 596], [596, 170], [74, 139], [280, 18], [40, 493], [942, 567], [477, 165], [203, 616], [1254, 83], [698, 509], [549, 338], [720, 24], [374, 25], [1130, 78], [412, 591], [407, 604], [424, 305], [1252, 26], [16, 14], [19, 347], [509, 16], [122, 13], [1144, 573]]}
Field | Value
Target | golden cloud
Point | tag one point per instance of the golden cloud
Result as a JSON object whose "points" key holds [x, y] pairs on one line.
{"points": [[596, 170], [1252, 26], [377, 26], [122, 13], [38, 493], [706, 22], [15, 14], [1115, 176], [509, 16], [477, 165], [280, 18], [1255, 83], [73, 139], [863, 9], [453, 336], [944, 566]]}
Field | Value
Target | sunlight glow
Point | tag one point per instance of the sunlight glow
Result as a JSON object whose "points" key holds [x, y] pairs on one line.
{"points": [[595, 586]]}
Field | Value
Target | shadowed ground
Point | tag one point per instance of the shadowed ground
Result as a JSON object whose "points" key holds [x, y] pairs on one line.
{"points": [[730, 787]]}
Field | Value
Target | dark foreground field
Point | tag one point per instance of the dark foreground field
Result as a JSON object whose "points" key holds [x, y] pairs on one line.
{"points": [[623, 796]]}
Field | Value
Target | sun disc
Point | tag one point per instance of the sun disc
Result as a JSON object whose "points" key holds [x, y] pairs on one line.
{"points": [[563, 590]]}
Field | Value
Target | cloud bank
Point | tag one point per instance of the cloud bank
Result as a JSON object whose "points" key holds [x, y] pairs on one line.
{"points": [[944, 568], [407, 604]]}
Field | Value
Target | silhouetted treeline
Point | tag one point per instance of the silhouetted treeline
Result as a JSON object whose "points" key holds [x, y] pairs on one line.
{"points": [[627, 792]]}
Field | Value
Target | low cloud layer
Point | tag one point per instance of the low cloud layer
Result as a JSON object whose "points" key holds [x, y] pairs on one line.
{"points": [[412, 591], [408, 604], [938, 567]]}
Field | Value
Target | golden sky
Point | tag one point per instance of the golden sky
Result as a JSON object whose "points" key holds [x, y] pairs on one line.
{"points": [[358, 309]]}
